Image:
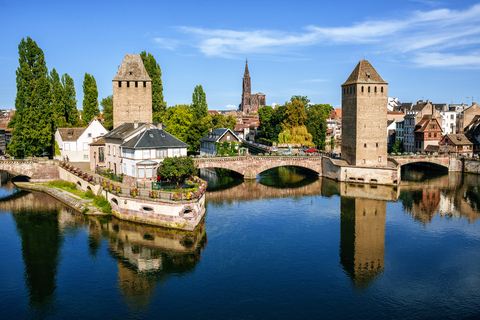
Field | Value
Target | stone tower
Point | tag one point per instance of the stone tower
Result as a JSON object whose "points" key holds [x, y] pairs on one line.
{"points": [[364, 117], [132, 92], [250, 101]]}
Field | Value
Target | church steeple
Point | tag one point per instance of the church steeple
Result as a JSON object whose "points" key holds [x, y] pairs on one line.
{"points": [[246, 74]]}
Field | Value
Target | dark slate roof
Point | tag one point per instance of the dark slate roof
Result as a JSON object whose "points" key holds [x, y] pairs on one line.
{"points": [[70, 134], [364, 72], [123, 130], [132, 69], [216, 135], [154, 138]]}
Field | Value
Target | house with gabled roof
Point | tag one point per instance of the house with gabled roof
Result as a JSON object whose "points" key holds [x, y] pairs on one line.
{"points": [[427, 132], [74, 143], [462, 144], [208, 143]]}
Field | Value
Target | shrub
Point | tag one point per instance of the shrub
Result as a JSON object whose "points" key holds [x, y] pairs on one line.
{"points": [[118, 189], [188, 195], [134, 192], [177, 196], [111, 187], [154, 194], [90, 194], [104, 183]]}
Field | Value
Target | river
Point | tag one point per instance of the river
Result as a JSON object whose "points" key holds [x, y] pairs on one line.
{"points": [[289, 245]]}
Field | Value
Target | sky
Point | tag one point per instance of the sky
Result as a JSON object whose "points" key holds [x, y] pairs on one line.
{"points": [[424, 49]]}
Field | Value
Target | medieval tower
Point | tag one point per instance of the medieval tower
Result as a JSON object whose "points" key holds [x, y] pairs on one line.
{"points": [[132, 92], [364, 120], [250, 101]]}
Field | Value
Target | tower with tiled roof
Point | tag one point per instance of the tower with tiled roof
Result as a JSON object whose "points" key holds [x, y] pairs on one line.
{"points": [[132, 92], [364, 117]]}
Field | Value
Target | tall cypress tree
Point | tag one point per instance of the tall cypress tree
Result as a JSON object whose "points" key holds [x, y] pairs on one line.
{"points": [[155, 73], [90, 99], [32, 124], [199, 105], [57, 100]]}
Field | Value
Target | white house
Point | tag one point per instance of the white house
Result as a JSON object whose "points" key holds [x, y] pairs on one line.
{"points": [[73, 142], [208, 144]]}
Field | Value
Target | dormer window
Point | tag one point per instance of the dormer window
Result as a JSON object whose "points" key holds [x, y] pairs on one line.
{"points": [[368, 75]]}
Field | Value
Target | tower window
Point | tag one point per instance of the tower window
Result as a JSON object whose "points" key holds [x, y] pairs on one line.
{"points": [[128, 84], [364, 145], [376, 145], [368, 89], [119, 84], [136, 84], [362, 88], [381, 89], [375, 89], [144, 84]]}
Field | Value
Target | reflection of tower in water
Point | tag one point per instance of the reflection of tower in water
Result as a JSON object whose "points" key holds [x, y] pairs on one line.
{"points": [[362, 239]]}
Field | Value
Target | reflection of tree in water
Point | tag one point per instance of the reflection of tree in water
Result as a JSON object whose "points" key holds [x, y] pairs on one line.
{"points": [[41, 242]]}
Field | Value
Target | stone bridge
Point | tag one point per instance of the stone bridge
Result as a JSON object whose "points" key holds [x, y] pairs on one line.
{"points": [[450, 162], [250, 166], [37, 169]]}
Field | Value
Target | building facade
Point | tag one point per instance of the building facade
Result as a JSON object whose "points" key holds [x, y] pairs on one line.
{"points": [[250, 102], [132, 92], [364, 117]]}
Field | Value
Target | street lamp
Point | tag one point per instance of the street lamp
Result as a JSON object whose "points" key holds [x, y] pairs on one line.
{"points": [[95, 160]]}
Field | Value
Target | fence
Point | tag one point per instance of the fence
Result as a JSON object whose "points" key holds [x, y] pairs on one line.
{"points": [[108, 173]]}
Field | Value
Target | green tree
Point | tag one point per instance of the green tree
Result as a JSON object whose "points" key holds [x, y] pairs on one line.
{"points": [[398, 146], [316, 123], [159, 106], [295, 115], [33, 122], [57, 100], [199, 107], [70, 102], [178, 120], [90, 99], [303, 99], [176, 169], [107, 110], [265, 115]]}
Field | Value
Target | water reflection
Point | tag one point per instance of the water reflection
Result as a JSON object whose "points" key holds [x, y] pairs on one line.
{"points": [[146, 255]]}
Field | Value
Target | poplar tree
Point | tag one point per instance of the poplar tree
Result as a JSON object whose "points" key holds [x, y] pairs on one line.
{"points": [[57, 100], [70, 101], [199, 107], [107, 109], [159, 106], [90, 99], [32, 124]]}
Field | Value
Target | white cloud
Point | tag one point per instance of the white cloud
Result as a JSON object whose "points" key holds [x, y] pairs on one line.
{"points": [[169, 44], [439, 30], [230, 106], [437, 59]]}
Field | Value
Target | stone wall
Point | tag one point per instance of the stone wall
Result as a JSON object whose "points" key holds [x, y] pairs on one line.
{"points": [[37, 169], [472, 166]]}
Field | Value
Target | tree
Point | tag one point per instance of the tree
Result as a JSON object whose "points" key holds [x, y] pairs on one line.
{"points": [[57, 100], [32, 124], [302, 99], [265, 115], [178, 120], [199, 107], [294, 116], [398, 146], [90, 99], [159, 106], [70, 101], [176, 169], [107, 110], [316, 123]]}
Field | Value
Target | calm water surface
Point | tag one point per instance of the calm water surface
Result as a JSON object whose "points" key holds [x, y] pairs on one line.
{"points": [[287, 246]]}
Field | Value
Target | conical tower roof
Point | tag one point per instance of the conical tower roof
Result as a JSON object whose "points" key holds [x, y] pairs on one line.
{"points": [[364, 72], [132, 69]]}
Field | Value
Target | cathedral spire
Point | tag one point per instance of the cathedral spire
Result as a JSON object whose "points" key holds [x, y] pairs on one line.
{"points": [[247, 74]]}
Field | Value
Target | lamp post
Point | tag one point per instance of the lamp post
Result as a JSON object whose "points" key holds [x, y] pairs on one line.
{"points": [[95, 161]]}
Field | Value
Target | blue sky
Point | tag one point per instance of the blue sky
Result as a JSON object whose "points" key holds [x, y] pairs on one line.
{"points": [[424, 49]]}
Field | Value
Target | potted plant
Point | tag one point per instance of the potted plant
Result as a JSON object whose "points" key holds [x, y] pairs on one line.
{"points": [[118, 189], [154, 194], [177, 196], [134, 192]]}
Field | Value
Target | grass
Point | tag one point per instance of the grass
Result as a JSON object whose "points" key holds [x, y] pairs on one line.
{"points": [[101, 202], [67, 186]]}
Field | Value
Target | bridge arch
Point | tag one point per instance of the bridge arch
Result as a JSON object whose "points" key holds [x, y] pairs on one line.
{"points": [[251, 166], [439, 161]]}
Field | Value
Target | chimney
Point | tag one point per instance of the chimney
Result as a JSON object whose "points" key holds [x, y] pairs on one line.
{"points": [[160, 125], [147, 126], [211, 130], [135, 124]]}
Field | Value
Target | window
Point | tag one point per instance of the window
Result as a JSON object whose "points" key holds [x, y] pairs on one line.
{"points": [[119, 84], [85, 157], [376, 145], [381, 89], [369, 89], [149, 172], [364, 145], [85, 146], [89, 135], [66, 146], [128, 84], [176, 152], [133, 170], [108, 150], [136, 84], [141, 172], [101, 155], [114, 151], [429, 134], [362, 88], [146, 154], [228, 138], [375, 89], [435, 135], [144, 84]]}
